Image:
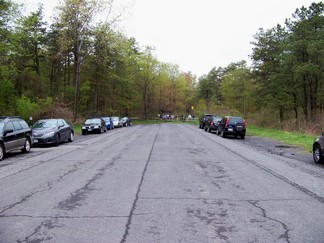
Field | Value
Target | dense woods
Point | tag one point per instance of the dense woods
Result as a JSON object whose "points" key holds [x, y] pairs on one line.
{"points": [[79, 66]]}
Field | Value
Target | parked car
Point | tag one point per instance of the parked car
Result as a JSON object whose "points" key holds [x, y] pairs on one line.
{"points": [[318, 149], [93, 125], [231, 125], [15, 134], [109, 123], [126, 121], [203, 120], [212, 123], [52, 131], [117, 121]]}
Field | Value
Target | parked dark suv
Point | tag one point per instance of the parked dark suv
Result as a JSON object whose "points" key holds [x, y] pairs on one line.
{"points": [[318, 149], [232, 125], [212, 123], [203, 120], [15, 134]]}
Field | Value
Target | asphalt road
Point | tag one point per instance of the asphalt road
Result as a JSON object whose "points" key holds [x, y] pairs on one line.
{"points": [[159, 183]]}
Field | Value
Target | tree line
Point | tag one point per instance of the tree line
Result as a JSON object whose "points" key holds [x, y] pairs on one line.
{"points": [[78, 66]]}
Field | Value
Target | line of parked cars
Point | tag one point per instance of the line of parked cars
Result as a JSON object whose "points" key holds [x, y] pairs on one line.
{"points": [[224, 125], [236, 126], [103, 124], [15, 133]]}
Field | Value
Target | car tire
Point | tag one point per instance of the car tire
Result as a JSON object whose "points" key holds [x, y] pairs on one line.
{"points": [[2, 152], [71, 139], [317, 154], [83, 133], [243, 136], [56, 140], [27, 146]]}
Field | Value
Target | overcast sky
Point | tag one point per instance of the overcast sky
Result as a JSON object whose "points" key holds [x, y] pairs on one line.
{"points": [[199, 35]]}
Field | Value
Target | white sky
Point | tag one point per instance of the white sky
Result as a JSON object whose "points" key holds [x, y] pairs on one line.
{"points": [[199, 35]]}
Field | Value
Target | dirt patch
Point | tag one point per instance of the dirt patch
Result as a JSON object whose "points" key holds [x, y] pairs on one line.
{"points": [[279, 148]]}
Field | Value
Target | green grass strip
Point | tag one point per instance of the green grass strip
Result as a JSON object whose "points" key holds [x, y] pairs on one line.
{"points": [[292, 138]]}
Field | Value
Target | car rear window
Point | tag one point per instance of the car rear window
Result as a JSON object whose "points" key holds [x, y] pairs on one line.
{"points": [[236, 120]]}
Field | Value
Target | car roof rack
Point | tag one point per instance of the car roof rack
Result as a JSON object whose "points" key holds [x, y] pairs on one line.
{"points": [[9, 117]]}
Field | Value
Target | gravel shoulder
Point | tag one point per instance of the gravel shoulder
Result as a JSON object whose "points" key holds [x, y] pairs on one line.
{"points": [[279, 148]]}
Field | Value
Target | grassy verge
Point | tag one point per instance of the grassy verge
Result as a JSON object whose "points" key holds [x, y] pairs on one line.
{"points": [[302, 140], [77, 128]]}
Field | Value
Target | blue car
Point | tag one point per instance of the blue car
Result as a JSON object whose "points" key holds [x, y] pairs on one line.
{"points": [[109, 123]]}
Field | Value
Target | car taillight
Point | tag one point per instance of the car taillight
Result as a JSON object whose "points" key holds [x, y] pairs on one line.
{"points": [[212, 124], [226, 123], [244, 123]]}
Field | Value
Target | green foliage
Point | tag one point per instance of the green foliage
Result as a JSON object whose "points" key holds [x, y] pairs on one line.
{"points": [[25, 107], [7, 91]]}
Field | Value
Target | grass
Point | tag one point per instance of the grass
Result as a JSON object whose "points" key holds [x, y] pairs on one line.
{"points": [[77, 128], [292, 138]]}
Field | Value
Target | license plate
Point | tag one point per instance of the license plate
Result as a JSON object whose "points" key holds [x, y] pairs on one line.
{"points": [[35, 141], [89, 129], [230, 129]]}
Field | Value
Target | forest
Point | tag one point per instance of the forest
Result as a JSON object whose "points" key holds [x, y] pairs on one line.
{"points": [[78, 67]]}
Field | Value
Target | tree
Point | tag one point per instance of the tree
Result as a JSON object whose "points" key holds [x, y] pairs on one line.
{"points": [[236, 88], [8, 72], [270, 57], [75, 22], [149, 70], [209, 87], [307, 41]]}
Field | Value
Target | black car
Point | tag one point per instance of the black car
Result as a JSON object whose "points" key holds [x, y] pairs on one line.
{"points": [[52, 131], [318, 149], [94, 125], [203, 120], [15, 134], [232, 125], [212, 123]]}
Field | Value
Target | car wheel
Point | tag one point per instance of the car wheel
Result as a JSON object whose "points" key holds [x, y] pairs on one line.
{"points": [[71, 139], [2, 152], [317, 154], [83, 133], [56, 140], [27, 146], [209, 130], [243, 136]]}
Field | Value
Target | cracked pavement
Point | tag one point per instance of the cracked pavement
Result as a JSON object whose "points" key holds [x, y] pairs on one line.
{"points": [[161, 183]]}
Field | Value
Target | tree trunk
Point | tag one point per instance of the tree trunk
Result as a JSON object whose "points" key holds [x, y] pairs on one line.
{"points": [[76, 82]]}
